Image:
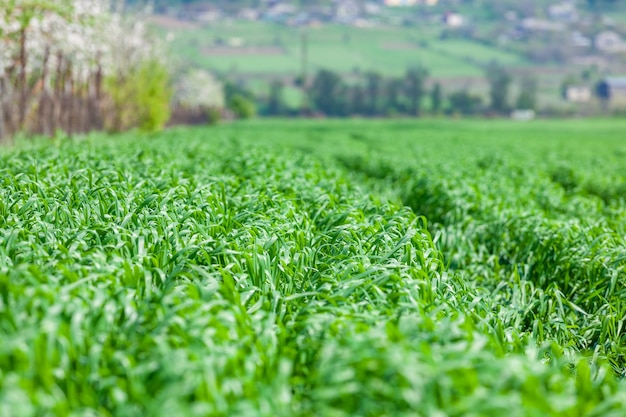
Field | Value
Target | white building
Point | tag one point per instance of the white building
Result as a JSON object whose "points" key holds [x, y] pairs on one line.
{"points": [[453, 20], [532, 24], [578, 94], [563, 12], [394, 3], [609, 41]]}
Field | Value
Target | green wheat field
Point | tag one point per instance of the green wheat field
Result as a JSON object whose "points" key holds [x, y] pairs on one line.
{"points": [[317, 268]]}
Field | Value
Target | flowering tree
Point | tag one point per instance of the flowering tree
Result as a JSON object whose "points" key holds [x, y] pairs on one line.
{"points": [[55, 59], [199, 89]]}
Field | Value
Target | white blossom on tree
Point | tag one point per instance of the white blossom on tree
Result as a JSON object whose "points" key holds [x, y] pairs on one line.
{"points": [[199, 89], [54, 55]]}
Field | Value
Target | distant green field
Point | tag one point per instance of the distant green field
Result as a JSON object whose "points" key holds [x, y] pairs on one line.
{"points": [[385, 49], [317, 268], [477, 52]]}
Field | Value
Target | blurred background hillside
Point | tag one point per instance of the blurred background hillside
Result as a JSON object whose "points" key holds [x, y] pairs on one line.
{"points": [[82, 65], [556, 57]]}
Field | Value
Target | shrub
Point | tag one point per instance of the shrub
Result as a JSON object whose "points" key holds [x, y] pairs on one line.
{"points": [[242, 107], [214, 116], [140, 99]]}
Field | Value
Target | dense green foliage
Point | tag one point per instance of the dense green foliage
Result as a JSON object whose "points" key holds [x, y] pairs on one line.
{"points": [[284, 269], [370, 94], [140, 98], [242, 107]]}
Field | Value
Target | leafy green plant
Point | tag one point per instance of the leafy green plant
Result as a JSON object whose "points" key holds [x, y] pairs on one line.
{"points": [[304, 269], [242, 107], [140, 99]]}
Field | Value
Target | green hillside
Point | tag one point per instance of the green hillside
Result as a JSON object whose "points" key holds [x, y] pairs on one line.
{"points": [[315, 268], [274, 49]]}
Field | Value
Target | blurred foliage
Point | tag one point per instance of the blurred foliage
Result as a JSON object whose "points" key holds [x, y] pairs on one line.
{"points": [[140, 99], [243, 107]]}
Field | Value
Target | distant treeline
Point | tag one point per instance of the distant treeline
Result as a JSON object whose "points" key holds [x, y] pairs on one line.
{"points": [[372, 94]]}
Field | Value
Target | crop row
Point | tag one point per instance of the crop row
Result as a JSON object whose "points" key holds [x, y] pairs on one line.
{"points": [[191, 275]]}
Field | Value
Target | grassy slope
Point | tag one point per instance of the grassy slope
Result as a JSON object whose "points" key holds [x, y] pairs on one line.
{"points": [[341, 49], [269, 268]]}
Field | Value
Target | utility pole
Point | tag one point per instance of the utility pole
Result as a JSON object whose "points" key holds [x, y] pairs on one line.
{"points": [[304, 51]]}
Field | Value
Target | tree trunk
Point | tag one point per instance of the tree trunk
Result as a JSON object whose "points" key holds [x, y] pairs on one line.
{"points": [[55, 110], [71, 108], [2, 127], [22, 80], [43, 98]]}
